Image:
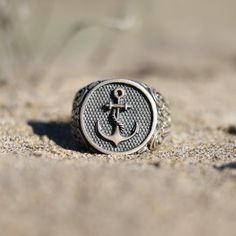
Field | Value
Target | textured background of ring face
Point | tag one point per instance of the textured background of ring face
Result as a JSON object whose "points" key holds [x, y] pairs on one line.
{"points": [[141, 113]]}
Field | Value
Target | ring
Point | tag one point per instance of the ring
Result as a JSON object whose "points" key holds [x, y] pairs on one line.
{"points": [[119, 116]]}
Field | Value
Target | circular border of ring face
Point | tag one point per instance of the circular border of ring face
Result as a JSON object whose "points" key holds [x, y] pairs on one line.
{"points": [[121, 81]]}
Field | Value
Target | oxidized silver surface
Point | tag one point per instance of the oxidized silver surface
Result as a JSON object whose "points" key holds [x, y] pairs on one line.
{"points": [[119, 116]]}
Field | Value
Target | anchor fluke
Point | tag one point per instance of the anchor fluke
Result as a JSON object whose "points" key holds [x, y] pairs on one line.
{"points": [[116, 137]]}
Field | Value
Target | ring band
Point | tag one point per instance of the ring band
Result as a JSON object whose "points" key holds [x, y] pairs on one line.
{"points": [[119, 116]]}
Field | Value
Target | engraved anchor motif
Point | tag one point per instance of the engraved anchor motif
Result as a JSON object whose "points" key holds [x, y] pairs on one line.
{"points": [[115, 108]]}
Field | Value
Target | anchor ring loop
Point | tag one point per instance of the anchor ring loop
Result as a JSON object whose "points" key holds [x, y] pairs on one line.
{"points": [[119, 116], [119, 92]]}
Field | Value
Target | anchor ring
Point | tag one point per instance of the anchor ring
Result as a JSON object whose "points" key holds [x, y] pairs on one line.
{"points": [[119, 116], [119, 92]]}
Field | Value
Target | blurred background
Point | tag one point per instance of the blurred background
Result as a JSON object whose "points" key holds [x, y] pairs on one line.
{"points": [[111, 37]]}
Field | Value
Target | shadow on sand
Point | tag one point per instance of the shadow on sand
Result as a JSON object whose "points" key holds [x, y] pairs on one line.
{"points": [[230, 165], [59, 132]]}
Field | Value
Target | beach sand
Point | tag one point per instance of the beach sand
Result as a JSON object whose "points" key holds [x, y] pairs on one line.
{"points": [[186, 187]]}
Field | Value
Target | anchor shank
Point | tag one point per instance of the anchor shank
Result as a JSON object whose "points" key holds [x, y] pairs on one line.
{"points": [[118, 109]]}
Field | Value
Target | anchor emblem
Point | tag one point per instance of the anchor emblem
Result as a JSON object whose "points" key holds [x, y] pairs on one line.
{"points": [[115, 109]]}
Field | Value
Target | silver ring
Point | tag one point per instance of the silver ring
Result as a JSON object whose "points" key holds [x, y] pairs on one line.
{"points": [[119, 116]]}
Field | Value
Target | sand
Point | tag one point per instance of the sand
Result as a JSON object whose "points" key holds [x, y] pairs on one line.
{"points": [[49, 186]]}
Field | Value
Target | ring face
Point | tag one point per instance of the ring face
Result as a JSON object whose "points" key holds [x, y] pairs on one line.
{"points": [[118, 116]]}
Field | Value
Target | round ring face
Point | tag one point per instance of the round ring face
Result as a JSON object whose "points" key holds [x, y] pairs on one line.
{"points": [[118, 116]]}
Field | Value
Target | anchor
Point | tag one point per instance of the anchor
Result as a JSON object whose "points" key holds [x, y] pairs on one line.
{"points": [[115, 108]]}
